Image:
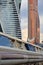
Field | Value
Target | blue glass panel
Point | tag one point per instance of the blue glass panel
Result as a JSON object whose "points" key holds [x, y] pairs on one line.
{"points": [[4, 41], [30, 47]]}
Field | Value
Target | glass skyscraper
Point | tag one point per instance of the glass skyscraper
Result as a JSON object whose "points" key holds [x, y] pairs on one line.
{"points": [[10, 17]]}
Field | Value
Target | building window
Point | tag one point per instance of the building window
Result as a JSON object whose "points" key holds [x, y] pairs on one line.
{"points": [[19, 5], [0, 28]]}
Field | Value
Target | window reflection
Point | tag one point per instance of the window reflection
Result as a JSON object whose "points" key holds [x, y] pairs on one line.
{"points": [[4, 41]]}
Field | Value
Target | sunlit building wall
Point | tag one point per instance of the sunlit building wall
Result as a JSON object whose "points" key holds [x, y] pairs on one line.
{"points": [[33, 21]]}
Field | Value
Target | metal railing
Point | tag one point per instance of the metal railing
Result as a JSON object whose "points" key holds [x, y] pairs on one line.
{"points": [[20, 42]]}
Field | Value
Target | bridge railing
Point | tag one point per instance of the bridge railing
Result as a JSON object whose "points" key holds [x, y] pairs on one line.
{"points": [[18, 43]]}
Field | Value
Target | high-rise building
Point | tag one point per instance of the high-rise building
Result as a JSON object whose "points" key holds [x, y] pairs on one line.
{"points": [[10, 17], [33, 21]]}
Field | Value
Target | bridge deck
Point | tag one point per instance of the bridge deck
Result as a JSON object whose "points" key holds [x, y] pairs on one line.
{"points": [[15, 56]]}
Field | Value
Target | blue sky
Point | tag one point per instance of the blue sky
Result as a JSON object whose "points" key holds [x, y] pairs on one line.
{"points": [[24, 18]]}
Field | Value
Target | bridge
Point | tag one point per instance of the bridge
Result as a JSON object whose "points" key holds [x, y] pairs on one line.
{"points": [[18, 53]]}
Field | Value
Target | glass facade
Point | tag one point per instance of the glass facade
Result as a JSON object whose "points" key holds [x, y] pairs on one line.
{"points": [[9, 17], [5, 42]]}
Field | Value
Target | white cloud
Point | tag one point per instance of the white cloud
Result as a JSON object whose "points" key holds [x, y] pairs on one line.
{"points": [[41, 28], [41, 20], [41, 37], [24, 23], [24, 8], [24, 34], [24, 26], [24, 19], [24, 4], [41, 24]]}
